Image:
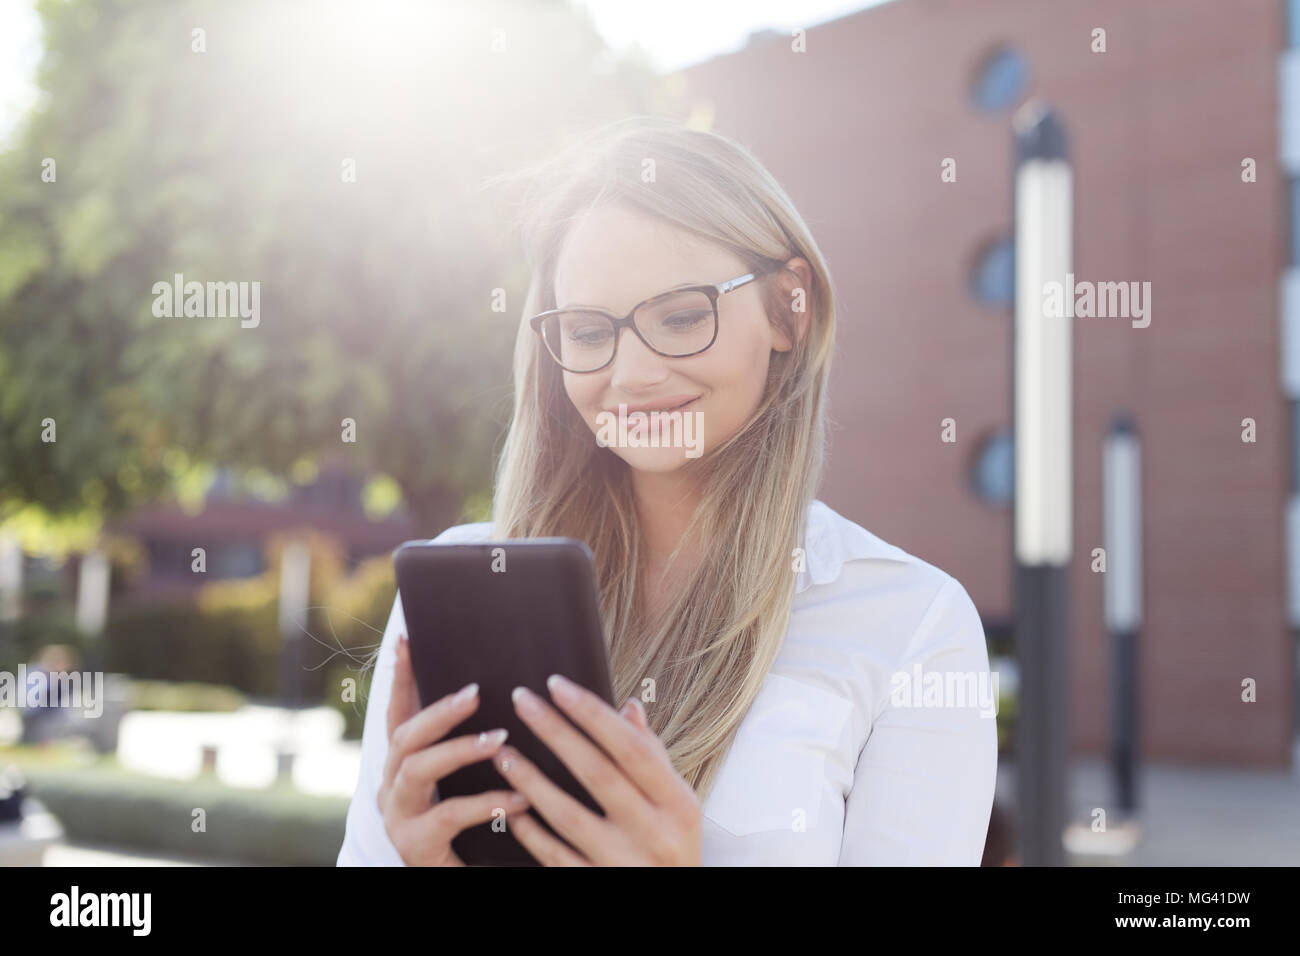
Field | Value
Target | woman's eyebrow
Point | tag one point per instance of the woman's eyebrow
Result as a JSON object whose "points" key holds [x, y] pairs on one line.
{"points": [[601, 308]]}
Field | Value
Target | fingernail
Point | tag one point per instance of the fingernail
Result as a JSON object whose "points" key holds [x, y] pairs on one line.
{"points": [[561, 688], [518, 800], [492, 738], [526, 701], [505, 761], [628, 710], [466, 693]]}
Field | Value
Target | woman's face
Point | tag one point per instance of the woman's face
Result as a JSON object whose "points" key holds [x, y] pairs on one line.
{"points": [[612, 259]]}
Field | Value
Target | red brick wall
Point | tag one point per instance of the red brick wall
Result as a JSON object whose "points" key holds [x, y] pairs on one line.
{"points": [[855, 129]]}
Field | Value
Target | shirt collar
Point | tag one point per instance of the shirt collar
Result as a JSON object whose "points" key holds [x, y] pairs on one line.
{"points": [[830, 539]]}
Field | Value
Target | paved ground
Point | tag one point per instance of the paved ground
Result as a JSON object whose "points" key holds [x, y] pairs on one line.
{"points": [[83, 856], [1189, 816]]}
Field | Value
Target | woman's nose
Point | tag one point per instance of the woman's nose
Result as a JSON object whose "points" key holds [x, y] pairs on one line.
{"points": [[635, 364]]}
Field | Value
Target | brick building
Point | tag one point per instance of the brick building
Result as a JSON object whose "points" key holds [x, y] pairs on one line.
{"points": [[1159, 124], [233, 528]]}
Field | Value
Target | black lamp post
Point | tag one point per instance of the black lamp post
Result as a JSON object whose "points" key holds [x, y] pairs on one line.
{"points": [[1043, 496], [1122, 520]]}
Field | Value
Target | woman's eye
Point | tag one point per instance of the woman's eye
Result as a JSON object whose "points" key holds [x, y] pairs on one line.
{"points": [[588, 336], [679, 321]]}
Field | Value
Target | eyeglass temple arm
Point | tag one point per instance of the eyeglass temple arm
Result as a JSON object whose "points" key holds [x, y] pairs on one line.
{"points": [[726, 287]]}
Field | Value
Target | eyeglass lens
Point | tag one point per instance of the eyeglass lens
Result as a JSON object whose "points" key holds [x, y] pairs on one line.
{"points": [[678, 324]]}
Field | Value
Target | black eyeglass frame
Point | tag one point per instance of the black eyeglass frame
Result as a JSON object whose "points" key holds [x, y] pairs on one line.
{"points": [[712, 291]]}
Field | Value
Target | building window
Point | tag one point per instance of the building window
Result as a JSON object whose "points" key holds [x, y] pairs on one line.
{"points": [[993, 475], [1000, 81], [992, 278], [168, 559], [235, 559], [1293, 223]]}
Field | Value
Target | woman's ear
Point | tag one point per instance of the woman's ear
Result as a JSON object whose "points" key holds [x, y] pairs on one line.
{"points": [[796, 285]]}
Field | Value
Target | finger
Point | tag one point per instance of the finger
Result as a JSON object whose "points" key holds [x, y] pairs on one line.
{"points": [[545, 848], [635, 714], [404, 700], [429, 726], [640, 755], [606, 783], [443, 822], [590, 834], [420, 772]]}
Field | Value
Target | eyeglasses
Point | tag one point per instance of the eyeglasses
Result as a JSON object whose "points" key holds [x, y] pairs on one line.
{"points": [[674, 324]]}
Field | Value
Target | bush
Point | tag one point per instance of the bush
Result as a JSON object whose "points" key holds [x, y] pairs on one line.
{"points": [[21, 639], [353, 711], [348, 633], [274, 826], [230, 634], [176, 642], [189, 697]]}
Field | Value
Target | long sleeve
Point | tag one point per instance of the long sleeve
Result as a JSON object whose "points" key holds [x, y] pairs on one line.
{"points": [[925, 779], [365, 841]]}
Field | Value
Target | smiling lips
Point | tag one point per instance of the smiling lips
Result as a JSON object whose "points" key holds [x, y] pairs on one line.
{"points": [[671, 404]]}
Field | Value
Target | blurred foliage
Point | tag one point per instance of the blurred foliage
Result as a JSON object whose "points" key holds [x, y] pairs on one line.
{"points": [[227, 165], [354, 622], [328, 566], [478, 507], [176, 642], [20, 640], [128, 560], [230, 634], [188, 697], [37, 529], [1008, 709]]}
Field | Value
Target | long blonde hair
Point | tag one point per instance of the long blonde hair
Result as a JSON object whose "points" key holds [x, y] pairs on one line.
{"points": [[708, 653]]}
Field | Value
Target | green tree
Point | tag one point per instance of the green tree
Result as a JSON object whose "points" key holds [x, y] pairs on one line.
{"points": [[334, 153]]}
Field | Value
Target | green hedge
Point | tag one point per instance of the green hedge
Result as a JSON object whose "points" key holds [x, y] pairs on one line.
{"points": [[188, 697], [21, 639], [226, 633], [237, 647], [274, 826]]}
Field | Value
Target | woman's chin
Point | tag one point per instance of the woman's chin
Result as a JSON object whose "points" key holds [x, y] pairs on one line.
{"points": [[657, 460]]}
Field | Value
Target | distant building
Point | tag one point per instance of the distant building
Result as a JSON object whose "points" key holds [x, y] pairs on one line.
{"points": [[232, 529]]}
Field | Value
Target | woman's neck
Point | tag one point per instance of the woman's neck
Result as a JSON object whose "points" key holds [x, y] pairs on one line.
{"points": [[665, 502]]}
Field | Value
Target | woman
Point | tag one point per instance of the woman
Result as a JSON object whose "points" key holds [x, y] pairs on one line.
{"points": [[766, 643]]}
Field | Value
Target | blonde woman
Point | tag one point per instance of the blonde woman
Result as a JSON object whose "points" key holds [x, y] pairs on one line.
{"points": [[771, 651]]}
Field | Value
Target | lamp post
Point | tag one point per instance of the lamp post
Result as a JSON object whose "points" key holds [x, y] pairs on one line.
{"points": [[1042, 413], [1122, 523]]}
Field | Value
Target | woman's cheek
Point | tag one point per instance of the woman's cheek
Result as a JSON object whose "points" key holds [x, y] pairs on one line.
{"points": [[583, 394]]}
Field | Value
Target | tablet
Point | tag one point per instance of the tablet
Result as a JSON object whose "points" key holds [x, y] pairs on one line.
{"points": [[502, 614]]}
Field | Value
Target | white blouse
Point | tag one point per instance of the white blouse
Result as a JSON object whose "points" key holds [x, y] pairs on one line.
{"points": [[873, 740]]}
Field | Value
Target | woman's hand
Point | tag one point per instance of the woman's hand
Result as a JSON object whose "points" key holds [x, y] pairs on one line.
{"points": [[652, 816], [420, 827]]}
